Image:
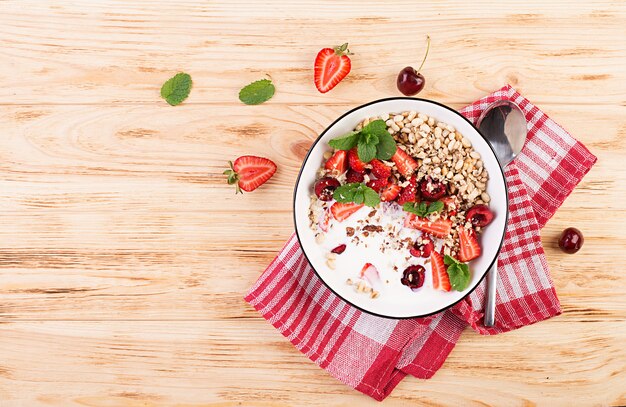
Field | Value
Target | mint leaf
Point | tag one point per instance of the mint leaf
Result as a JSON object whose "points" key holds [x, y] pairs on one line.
{"points": [[371, 197], [435, 207], [345, 142], [386, 147], [358, 193], [377, 128], [458, 272], [366, 151], [257, 92], [345, 193], [447, 260], [176, 89]]}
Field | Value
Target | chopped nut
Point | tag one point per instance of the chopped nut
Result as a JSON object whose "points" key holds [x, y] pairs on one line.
{"points": [[319, 238]]}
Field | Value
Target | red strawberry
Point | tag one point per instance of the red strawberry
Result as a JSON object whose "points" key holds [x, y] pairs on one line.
{"points": [[390, 192], [439, 228], [353, 176], [469, 249], [331, 66], [250, 172], [337, 163], [379, 169], [324, 220], [370, 273], [408, 194], [450, 204], [341, 211], [355, 162], [377, 184], [441, 280], [406, 165]]}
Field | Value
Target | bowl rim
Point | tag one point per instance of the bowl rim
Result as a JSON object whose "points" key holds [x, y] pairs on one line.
{"points": [[297, 183]]}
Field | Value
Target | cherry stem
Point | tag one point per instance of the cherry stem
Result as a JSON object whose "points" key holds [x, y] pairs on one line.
{"points": [[426, 54]]}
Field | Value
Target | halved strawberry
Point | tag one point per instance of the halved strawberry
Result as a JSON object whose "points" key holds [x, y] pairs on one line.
{"points": [[337, 163], [451, 204], [331, 66], [353, 176], [390, 192], [379, 169], [250, 172], [370, 273], [406, 165], [341, 211], [441, 280], [439, 228], [324, 220], [355, 162], [409, 192], [469, 249], [377, 184]]}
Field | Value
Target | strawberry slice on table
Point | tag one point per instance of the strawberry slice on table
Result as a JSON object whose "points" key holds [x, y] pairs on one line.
{"points": [[469, 249], [377, 184], [439, 228], [379, 169], [406, 165], [390, 192], [337, 163], [355, 162], [331, 66], [409, 193], [342, 211], [441, 280], [249, 172]]}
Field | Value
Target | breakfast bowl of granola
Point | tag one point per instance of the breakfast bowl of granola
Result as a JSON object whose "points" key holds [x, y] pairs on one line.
{"points": [[401, 207]]}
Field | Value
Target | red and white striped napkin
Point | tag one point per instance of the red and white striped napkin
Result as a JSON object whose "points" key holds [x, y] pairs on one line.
{"points": [[372, 354]]}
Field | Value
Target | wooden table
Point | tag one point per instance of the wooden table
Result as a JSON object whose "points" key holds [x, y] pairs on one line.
{"points": [[124, 256]]}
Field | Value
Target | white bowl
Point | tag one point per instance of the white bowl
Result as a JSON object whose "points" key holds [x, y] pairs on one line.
{"points": [[400, 303]]}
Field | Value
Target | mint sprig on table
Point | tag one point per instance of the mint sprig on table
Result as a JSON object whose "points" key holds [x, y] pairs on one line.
{"points": [[257, 92], [358, 193], [458, 272], [176, 89], [372, 141], [423, 209]]}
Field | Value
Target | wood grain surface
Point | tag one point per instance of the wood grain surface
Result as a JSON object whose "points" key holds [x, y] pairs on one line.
{"points": [[124, 256]]}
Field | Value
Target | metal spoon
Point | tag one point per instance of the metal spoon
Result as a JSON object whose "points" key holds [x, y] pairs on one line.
{"points": [[504, 125]]}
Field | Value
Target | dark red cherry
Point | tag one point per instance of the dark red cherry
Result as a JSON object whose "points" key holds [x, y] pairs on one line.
{"points": [[571, 240], [413, 277], [422, 247], [431, 189], [324, 188], [479, 215], [410, 82]]}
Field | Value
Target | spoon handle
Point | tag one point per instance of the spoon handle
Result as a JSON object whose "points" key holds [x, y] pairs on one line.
{"points": [[490, 306]]}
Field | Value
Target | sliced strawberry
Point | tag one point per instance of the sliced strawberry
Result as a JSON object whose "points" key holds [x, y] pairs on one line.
{"points": [[355, 162], [441, 280], [469, 249], [451, 204], [250, 172], [439, 228], [337, 163], [353, 176], [377, 184], [390, 192], [331, 66], [324, 220], [406, 165], [379, 169], [341, 211], [409, 192], [370, 273]]}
